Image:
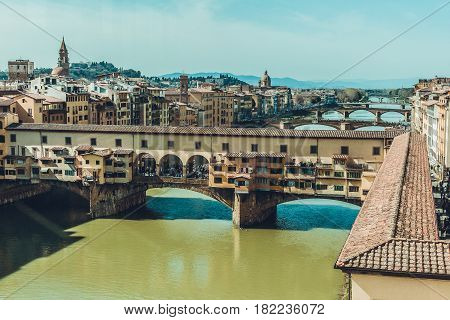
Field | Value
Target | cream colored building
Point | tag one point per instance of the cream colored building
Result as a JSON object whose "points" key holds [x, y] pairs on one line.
{"points": [[430, 116]]}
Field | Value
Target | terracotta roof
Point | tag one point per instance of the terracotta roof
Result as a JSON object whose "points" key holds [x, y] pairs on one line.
{"points": [[58, 148], [6, 102], [254, 155], [217, 131], [123, 151], [85, 148], [101, 153], [396, 231]]}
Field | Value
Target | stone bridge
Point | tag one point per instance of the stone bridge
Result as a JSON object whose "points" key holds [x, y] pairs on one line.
{"points": [[249, 209], [347, 109], [337, 124]]}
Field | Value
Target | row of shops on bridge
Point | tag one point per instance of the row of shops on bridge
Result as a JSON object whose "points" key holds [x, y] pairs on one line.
{"points": [[339, 175]]}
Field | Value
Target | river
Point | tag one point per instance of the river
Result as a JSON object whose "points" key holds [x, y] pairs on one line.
{"points": [[181, 245]]}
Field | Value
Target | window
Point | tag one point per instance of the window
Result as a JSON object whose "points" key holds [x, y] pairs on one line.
{"points": [[21, 171], [353, 189], [339, 174], [217, 180], [44, 139], [170, 144], [121, 174], [313, 149], [338, 188], [118, 142], [254, 148], [93, 141], [344, 149], [97, 162], [376, 151], [87, 161], [23, 151], [354, 174], [231, 180], [283, 148], [321, 187], [68, 140], [144, 144], [69, 172], [232, 169], [365, 192], [225, 147], [217, 168], [198, 145], [2, 139], [12, 138], [12, 151]]}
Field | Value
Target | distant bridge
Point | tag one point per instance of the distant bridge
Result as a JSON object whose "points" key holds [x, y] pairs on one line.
{"points": [[336, 124], [346, 109]]}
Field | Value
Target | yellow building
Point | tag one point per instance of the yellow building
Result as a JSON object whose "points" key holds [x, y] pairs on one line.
{"points": [[77, 108]]}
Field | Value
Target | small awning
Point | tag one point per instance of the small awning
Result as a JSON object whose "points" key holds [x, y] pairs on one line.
{"points": [[326, 160], [45, 170]]}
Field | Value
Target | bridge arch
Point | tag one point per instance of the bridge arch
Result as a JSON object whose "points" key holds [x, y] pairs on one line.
{"points": [[312, 212], [365, 112], [224, 196], [389, 114], [171, 165], [322, 125], [146, 165], [197, 167]]}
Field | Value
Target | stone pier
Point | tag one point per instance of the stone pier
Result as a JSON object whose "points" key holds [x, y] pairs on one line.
{"points": [[107, 200], [255, 207]]}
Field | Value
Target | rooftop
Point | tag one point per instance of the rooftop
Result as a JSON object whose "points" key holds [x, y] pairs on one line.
{"points": [[215, 131], [396, 229]]}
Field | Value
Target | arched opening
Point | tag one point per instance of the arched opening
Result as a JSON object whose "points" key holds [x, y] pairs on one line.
{"points": [[332, 115], [315, 127], [309, 214], [178, 203], [393, 116], [197, 167], [371, 128], [362, 115], [171, 166], [146, 165]]}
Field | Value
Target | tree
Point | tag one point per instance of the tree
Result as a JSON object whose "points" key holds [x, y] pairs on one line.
{"points": [[349, 95]]}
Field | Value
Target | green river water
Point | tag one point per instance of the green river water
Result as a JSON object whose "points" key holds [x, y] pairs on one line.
{"points": [[180, 246]]}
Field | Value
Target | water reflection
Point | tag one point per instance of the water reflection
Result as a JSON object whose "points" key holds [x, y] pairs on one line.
{"points": [[181, 246], [36, 228]]}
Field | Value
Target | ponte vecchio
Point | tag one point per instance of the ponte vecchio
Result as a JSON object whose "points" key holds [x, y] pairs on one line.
{"points": [[250, 170]]}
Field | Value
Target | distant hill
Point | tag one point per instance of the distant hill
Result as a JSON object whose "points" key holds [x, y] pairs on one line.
{"points": [[298, 84]]}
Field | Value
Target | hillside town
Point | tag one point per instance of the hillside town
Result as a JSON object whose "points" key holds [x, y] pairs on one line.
{"points": [[116, 99]]}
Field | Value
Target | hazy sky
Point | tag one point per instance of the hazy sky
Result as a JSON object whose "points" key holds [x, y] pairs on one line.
{"points": [[307, 40]]}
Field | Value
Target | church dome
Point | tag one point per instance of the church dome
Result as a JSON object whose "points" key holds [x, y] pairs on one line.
{"points": [[265, 80], [57, 71]]}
